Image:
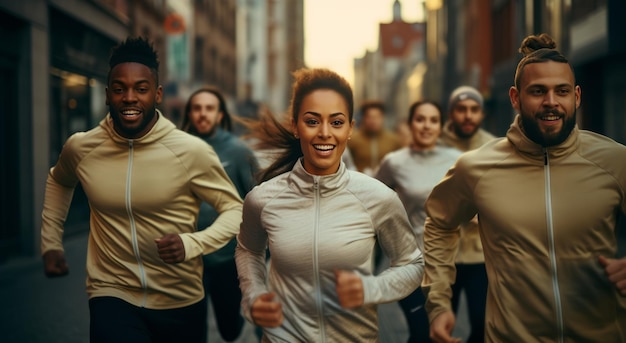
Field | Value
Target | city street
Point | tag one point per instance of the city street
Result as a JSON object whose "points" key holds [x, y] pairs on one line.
{"points": [[36, 309]]}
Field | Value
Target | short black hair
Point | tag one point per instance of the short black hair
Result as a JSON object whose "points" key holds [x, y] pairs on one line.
{"points": [[136, 49], [368, 104]]}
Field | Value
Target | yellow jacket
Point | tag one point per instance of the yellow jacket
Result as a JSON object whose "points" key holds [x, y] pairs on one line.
{"points": [[140, 190]]}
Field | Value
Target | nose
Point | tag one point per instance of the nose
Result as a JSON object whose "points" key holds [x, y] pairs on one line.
{"points": [[550, 98], [324, 131], [129, 96]]}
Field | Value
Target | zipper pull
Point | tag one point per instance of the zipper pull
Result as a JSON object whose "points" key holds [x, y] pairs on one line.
{"points": [[316, 183], [545, 157]]}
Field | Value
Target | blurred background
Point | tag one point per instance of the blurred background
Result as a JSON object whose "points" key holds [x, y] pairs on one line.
{"points": [[54, 55]]}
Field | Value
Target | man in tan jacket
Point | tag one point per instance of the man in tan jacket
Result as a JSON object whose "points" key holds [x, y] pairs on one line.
{"points": [[462, 131], [144, 180], [548, 197]]}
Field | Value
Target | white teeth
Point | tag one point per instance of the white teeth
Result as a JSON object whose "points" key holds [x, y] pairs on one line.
{"points": [[324, 147], [550, 118], [130, 112]]}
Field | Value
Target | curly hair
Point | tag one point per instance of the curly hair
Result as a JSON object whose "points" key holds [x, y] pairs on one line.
{"points": [[136, 49]]}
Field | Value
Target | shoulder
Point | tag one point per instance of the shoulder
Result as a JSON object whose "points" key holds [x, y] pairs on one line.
{"points": [[265, 191], [85, 142], [396, 156], [487, 155], [603, 151], [183, 142], [367, 188]]}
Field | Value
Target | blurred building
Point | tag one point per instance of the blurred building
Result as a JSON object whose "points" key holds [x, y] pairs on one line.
{"points": [[476, 42], [385, 74], [54, 65]]}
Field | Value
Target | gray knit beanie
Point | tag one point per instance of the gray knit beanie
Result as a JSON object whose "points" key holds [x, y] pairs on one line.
{"points": [[463, 93]]}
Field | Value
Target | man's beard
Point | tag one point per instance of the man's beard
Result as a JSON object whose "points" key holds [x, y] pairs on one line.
{"points": [[148, 116], [461, 134], [531, 128]]}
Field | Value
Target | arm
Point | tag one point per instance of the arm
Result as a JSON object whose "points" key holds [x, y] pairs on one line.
{"points": [[58, 195], [385, 173], [448, 205], [399, 243], [250, 256], [211, 184]]}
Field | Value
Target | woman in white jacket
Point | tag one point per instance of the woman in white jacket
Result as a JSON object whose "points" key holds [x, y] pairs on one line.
{"points": [[320, 222]]}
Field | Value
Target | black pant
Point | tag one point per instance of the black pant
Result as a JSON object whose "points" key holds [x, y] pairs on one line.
{"points": [[222, 285], [113, 320], [416, 316], [473, 279]]}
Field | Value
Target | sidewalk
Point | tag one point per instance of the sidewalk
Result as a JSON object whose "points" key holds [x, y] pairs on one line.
{"points": [[36, 309]]}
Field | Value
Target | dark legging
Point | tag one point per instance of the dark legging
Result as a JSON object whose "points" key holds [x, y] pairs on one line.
{"points": [[113, 320], [222, 285], [472, 278], [416, 317]]}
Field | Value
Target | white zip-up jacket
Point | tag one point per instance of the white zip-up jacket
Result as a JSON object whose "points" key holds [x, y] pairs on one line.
{"points": [[315, 225], [545, 215], [140, 190]]}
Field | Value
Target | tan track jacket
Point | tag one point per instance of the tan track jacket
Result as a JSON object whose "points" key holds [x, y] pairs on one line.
{"points": [[545, 216], [470, 249], [140, 190]]}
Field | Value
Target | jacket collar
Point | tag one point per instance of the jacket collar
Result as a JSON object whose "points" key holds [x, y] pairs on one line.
{"points": [[303, 182], [162, 127], [518, 138]]}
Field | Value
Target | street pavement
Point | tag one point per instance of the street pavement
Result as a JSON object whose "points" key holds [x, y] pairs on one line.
{"points": [[36, 309]]}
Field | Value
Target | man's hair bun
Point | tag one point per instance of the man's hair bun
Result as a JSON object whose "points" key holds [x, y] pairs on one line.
{"points": [[534, 43]]}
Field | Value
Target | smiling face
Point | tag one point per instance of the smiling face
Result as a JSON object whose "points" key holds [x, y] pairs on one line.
{"points": [[425, 126], [205, 114], [547, 101], [132, 96], [324, 127]]}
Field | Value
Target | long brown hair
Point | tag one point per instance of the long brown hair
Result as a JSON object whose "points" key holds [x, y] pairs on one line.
{"points": [[225, 123], [271, 133]]}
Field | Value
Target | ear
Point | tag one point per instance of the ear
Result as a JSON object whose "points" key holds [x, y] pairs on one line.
{"points": [[294, 128], [352, 123], [106, 95], [514, 97], [159, 94], [577, 93]]}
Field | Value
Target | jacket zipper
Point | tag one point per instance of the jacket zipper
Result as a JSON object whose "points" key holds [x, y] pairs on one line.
{"points": [[316, 267], [555, 280], [133, 227]]}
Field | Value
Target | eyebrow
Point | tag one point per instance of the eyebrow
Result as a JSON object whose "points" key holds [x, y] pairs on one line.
{"points": [[319, 115], [123, 83]]}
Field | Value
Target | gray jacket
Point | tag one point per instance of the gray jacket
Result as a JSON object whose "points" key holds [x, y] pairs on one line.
{"points": [[315, 225]]}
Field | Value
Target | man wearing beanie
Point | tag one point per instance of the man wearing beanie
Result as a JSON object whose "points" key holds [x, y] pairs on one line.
{"points": [[462, 131]]}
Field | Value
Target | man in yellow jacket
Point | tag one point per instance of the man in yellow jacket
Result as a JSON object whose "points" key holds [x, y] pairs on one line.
{"points": [[547, 198], [144, 180]]}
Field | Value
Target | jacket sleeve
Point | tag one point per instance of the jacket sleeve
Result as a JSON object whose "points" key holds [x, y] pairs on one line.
{"points": [[211, 184], [58, 195], [448, 205], [399, 243], [385, 173], [250, 254]]}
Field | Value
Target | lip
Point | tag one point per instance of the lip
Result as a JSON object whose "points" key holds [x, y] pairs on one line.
{"points": [[551, 122], [130, 114], [324, 149]]}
